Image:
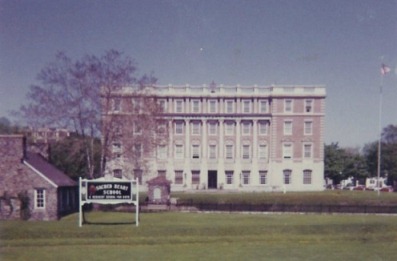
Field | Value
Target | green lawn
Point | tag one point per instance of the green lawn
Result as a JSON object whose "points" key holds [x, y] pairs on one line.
{"points": [[200, 236]]}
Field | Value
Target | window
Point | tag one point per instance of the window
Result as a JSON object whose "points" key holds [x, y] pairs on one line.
{"points": [[195, 151], [287, 150], [229, 130], [212, 128], [229, 106], [196, 126], [246, 152], [308, 127], [116, 104], [287, 176], [118, 173], [212, 106], [212, 151], [136, 104], [262, 152], [138, 150], [163, 105], [246, 128], [229, 151], [308, 106], [178, 177], [246, 106], [263, 106], [246, 177], [179, 151], [178, 106], [287, 127], [162, 152], [307, 176], [178, 127], [288, 105], [195, 177], [39, 198], [307, 151], [161, 173], [195, 106], [262, 177], [137, 128], [229, 177], [263, 126], [138, 175]]}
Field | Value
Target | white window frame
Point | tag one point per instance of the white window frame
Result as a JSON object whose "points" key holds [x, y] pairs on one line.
{"points": [[179, 151], [229, 128], [263, 127], [178, 177], [212, 106], [308, 108], [246, 152], [196, 151], [196, 128], [307, 150], [229, 151], [263, 106], [262, 152], [231, 104], [212, 128], [229, 177], [288, 150], [40, 198], [195, 103], [288, 105], [288, 127], [246, 176], [212, 151], [287, 176], [308, 127], [247, 106], [263, 177], [246, 128], [161, 151], [163, 104], [307, 176], [179, 128], [179, 106]]}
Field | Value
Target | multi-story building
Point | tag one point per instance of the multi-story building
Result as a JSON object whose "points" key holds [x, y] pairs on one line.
{"points": [[264, 138]]}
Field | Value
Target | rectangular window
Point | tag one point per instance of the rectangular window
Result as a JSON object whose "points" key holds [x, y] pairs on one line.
{"points": [[161, 173], [196, 126], [118, 173], [178, 177], [178, 128], [229, 177], [246, 152], [138, 175], [212, 106], [179, 151], [307, 176], [39, 198], [212, 152], [263, 106], [262, 152], [229, 106], [137, 128], [138, 150], [229, 151], [229, 130], [246, 106], [308, 127], [163, 105], [288, 105], [212, 128], [246, 177], [287, 150], [287, 127], [195, 177], [195, 106], [308, 106], [116, 104], [162, 152], [195, 151], [178, 106], [263, 126], [246, 127], [307, 151], [262, 177], [287, 176]]}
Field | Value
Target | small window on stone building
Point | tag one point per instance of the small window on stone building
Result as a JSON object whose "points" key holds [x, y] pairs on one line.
{"points": [[118, 173], [39, 198]]}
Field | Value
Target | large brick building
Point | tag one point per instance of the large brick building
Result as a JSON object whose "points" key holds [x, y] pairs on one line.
{"points": [[262, 138], [30, 187]]}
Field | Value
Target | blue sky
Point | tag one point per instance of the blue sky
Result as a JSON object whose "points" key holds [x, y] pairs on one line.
{"points": [[340, 44]]}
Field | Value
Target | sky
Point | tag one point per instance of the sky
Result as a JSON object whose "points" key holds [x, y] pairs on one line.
{"points": [[337, 43]]}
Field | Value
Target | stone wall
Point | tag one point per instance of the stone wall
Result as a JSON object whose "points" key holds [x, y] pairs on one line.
{"points": [[16, 179]]}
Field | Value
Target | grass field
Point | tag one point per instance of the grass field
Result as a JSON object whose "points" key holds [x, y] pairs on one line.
{"points": [[202, 236]]}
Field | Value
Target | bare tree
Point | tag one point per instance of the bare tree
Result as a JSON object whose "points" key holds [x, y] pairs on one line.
{"points": [[72, 94]]}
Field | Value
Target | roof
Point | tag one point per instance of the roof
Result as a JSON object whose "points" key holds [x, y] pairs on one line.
{"points": [[47, 170]]}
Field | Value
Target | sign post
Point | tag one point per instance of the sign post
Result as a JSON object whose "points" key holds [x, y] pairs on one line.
{"points": [[104, 191]]}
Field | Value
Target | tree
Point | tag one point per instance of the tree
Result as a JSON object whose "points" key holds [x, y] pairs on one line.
{"points": [[70, 94]]}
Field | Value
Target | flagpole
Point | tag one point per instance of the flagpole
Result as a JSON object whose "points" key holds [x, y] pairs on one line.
{"points": [[380, 131]]}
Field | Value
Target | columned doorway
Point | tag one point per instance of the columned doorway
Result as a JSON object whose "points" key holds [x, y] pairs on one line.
{"points": [[212, 179]]}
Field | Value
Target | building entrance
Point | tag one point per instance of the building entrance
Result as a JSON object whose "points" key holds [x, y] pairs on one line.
{"points": [[212, 179]]}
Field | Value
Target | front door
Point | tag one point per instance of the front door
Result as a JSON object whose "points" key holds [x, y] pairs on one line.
{"points": [[212, 179]]}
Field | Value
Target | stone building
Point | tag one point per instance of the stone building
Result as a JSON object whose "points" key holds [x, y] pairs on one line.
{"points": [[262, 138], [30, 187]]}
